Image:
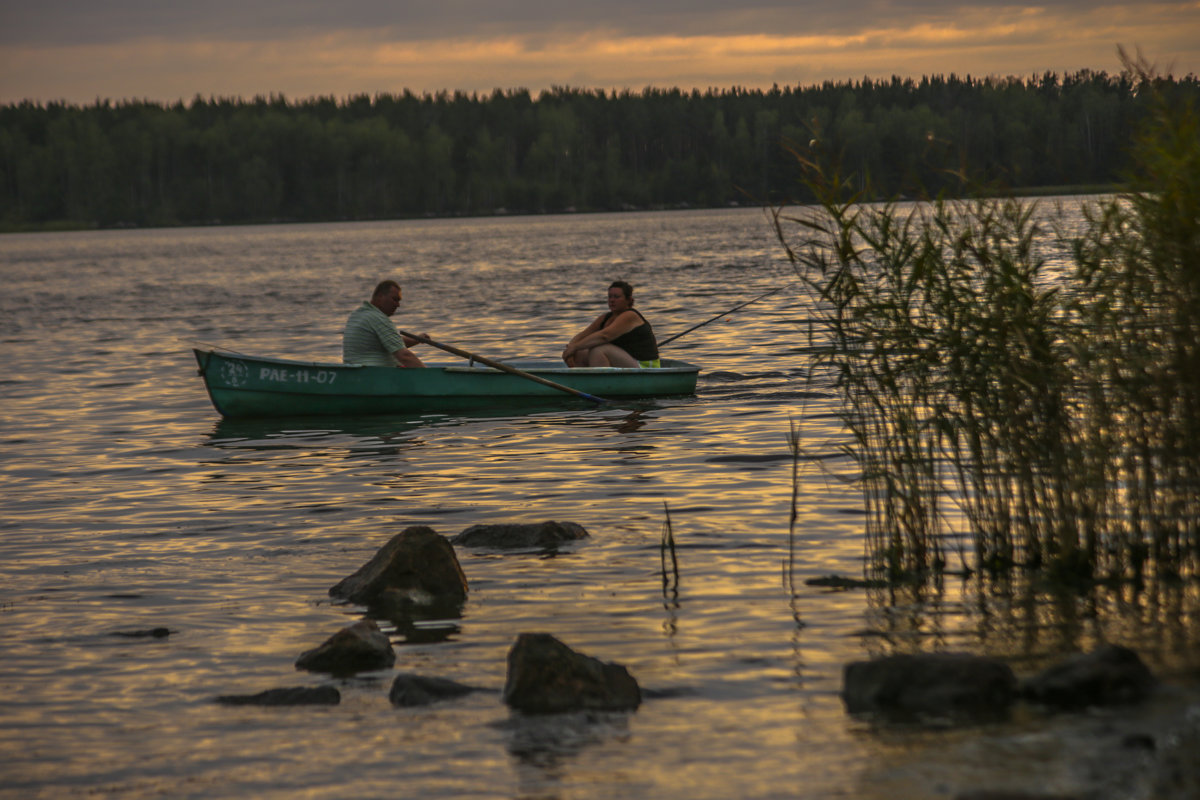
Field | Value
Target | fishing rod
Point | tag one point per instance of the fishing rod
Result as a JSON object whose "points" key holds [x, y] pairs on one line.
{"points": [[723, 313]]}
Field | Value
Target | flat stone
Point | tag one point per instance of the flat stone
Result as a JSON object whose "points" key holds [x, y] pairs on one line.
{"points": [[290, 696], [841, 583], [959, 686], [148, 633], [513, 536], [410, 689], [987, 794], [1109, 675]]}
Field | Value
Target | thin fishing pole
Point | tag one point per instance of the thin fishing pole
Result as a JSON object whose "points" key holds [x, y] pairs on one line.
{"points": [[723, 313]]}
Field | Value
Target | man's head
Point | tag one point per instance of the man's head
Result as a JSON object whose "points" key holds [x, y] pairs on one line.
{"points": [[386, 297]]}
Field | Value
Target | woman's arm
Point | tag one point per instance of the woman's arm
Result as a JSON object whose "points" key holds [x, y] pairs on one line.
{"points": [[594, 335], [568, 353], [589, 330]]}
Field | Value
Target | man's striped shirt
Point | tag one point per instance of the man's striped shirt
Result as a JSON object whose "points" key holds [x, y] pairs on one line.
{"points": [[370, 338]]}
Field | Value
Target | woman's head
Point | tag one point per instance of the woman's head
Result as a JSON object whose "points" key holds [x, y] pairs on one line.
{"points": [[625, 293]]}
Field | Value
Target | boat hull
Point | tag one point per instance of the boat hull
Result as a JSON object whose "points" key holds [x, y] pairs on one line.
{"points": [[249, 386]]}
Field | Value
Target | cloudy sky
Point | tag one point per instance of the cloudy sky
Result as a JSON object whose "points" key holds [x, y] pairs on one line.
{"points": [[164, 50]]}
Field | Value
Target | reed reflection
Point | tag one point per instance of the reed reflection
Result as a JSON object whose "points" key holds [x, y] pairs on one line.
{"points": [[1032, 622], [670, 576]]}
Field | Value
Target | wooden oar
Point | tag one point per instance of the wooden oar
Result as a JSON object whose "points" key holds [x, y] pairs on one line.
{"points": [[503, 367], [723, 313]]}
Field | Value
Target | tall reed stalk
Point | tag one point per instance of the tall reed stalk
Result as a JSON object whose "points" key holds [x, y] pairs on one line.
{"points": [[1052, 419]]}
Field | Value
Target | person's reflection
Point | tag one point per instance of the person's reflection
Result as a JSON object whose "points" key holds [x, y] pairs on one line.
{"points": [[632, 422]]}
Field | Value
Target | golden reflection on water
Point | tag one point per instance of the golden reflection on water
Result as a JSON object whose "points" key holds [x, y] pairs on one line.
{"points": [[129, 505]]}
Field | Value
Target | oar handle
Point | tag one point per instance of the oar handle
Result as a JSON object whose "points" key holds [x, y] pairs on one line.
{"points": [[449, 348]]}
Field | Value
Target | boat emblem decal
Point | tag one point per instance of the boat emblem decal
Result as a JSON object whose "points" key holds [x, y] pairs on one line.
{"points": [[234, 373]]}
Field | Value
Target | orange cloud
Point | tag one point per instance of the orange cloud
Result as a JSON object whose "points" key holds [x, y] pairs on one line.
{"points": [[981, 41]]}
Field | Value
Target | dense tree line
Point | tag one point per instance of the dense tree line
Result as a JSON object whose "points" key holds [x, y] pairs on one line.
{"points": [[229, 160]]}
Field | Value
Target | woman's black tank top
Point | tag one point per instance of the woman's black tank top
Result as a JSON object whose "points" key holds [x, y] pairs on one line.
{"points": [[639, 342]]}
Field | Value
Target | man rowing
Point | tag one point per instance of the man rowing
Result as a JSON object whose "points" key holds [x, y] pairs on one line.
{"points": [[370, 337]]}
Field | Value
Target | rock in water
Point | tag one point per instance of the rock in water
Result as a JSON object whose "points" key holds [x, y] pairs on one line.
{"points": [[151, 633], [357, 648], [417, 563], [289, 696], [544, 676], [955, 685], [506, 536], [1107, 676], [410, 689]]}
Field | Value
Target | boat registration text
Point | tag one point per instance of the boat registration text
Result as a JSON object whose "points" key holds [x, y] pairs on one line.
{"points": [[277, 375]]}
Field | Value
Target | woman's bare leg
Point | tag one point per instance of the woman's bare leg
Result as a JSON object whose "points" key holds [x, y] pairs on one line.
{"points": [[606, 355]]}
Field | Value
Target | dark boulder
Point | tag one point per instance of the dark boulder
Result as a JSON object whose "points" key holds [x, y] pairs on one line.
{"points": [[958, 686], [513, 536], [410, 689], [417, 567], [290, 696], [357, 648], [1110, 675], [546, 676]]}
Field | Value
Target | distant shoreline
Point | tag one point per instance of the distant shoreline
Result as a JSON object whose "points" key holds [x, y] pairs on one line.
{"points": [[67, 226]]}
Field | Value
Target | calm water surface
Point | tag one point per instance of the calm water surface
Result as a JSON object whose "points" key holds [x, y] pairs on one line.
{"points": [[129, 505]]}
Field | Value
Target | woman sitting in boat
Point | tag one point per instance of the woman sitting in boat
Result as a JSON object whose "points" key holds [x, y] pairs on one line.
{"points": [[620, 338]]}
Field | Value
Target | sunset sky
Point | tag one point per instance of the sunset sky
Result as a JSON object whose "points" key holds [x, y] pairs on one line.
{"points": [[84, 50]]}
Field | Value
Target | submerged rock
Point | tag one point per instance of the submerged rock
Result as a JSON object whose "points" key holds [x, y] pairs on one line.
{"points": [[987, 794], [1110, 675], [1177, 769], [841, 583], [410, 689], [357, 648], [416, 567], [960, 686], [544, 676], [515, 535], [290, 696], [148, 633]]}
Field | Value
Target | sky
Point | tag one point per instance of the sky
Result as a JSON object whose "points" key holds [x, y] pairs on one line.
{"points": [[81, 51]]}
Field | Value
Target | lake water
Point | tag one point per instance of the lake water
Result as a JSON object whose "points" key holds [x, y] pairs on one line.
{"points": [[129, 505]]}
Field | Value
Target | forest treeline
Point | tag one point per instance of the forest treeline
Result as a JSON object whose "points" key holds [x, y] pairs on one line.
{"points": [[404, 155]]}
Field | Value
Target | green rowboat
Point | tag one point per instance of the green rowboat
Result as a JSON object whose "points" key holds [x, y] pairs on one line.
{"points": [[255, 386]]}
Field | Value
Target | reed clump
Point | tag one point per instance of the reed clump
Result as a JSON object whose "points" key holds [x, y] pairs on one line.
{"points": [[1018, 395]]}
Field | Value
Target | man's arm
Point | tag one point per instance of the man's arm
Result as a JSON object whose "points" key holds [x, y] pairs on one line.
{"points": [[407, 358]]}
